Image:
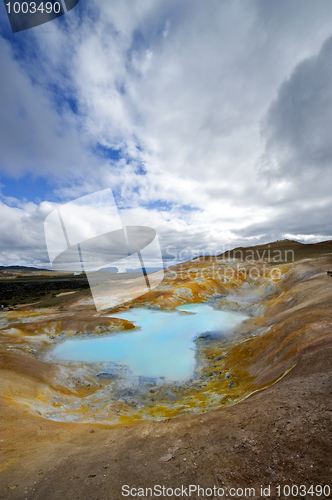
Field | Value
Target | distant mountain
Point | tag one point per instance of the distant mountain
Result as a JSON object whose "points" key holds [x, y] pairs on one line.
{"points": [[109, 269], [147, 269], [22, 268], [136, 270], [280, 250]]}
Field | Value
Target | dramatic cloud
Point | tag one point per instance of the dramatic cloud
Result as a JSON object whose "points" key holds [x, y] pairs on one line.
{"points": [[34, 137], [299, 121], [22, 234], [209, 122]]}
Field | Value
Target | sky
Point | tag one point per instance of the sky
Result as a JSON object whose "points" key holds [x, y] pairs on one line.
{"points": [[210, 121]]}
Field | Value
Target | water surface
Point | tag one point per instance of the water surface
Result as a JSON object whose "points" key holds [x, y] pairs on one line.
{"points": [[163, 347]]}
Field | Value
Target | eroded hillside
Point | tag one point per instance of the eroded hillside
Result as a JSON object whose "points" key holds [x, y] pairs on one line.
{"points": [[280, 354], [288, 309]]}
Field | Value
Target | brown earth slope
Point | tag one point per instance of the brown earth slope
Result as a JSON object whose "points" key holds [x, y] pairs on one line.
{"points": [[279, 435]]}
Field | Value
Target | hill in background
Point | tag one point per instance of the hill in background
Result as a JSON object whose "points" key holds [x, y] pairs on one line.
{"points": [[280, 251], [24, 269]]}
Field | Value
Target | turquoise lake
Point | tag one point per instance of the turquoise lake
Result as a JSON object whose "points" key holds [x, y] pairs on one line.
{"points": [[164, 345]]}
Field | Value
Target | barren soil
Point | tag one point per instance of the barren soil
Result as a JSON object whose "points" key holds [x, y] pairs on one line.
{"points": [[281, 434]]}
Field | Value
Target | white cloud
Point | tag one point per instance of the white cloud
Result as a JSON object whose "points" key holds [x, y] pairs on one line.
{"points": [[22, 234], [181, 91], [34, 137]]}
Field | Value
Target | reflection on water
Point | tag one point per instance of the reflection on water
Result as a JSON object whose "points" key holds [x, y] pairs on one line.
{"points": [[163, 347]]}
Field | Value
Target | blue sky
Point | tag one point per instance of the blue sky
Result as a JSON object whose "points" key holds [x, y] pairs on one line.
{"points": [[25, 188], [210, 124]]}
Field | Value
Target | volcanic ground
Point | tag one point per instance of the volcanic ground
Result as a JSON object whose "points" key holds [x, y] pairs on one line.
{"points": [[257, 414]]}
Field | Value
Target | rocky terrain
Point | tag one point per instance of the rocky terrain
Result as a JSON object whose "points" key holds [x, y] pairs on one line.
{"points": [[272, 425], [19, 285]]}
